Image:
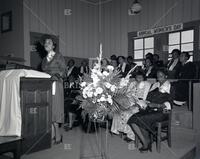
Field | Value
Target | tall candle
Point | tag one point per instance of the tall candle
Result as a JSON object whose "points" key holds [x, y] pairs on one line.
{"points": [[101, 52]]}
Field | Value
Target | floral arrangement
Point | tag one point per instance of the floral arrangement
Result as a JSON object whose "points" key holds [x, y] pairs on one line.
{"points": [[104, 92]]}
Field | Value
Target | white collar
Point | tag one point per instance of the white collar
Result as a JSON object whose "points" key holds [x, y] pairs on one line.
{"points": [[70, 71], [173, 64], [50, 55], [164, 88], [123, 66], [186, 62]]}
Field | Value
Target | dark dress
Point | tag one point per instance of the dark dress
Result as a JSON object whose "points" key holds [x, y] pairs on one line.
{"points": [[185, 73], [152, 73], [173, 74], [56, 68], [124, 72], [147, 118]]}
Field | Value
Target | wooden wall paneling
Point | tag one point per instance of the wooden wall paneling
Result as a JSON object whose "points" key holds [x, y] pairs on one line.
{"points": [[74, 27], [160, 40], [148, 18], [178, 12], [159, 11], [55, 17], [37, 16], [161, 18], [118, 32], [42, 11], [90, 31], [187, 10], [196, 106], [69, 29], [48, 17], [112, 28], [195, 9], [61, 26], [80, 30], [124, 28], [85, 29], [169, 5], [32, 19], [106, 30], [96, 31]]}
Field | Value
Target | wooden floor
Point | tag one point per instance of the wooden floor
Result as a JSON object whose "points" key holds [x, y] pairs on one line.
{"points": [[79, 145]]}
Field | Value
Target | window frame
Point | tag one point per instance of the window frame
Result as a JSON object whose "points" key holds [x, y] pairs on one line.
{"points": [[180, 42], [143, 49]]}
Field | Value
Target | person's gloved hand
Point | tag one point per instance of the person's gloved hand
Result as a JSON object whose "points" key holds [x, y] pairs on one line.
{"points": [[142, 104], [54, 78]]}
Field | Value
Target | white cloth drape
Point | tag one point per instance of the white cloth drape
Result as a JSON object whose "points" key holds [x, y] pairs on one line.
{"points": [[10, 111]]}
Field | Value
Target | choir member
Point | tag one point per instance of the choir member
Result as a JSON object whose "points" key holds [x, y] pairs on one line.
{"points": [[157, 62], [84, 68], [130, 62], [72, 71], [123, 66], [186, 73], [150, 70], [174, 64]]}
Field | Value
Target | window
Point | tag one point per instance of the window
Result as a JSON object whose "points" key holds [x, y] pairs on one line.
{"points": [[141, 48], [183, 40]]}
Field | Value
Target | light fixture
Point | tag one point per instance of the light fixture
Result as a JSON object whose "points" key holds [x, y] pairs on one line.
{"points": [[135, 8]]}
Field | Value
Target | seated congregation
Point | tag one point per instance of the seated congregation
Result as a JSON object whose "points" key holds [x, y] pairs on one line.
{"points": [[154, 99]]}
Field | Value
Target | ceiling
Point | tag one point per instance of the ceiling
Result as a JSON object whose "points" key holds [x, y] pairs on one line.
{"points": [[96, 2]]}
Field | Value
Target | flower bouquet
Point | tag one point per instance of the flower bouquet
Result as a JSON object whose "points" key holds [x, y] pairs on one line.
{"points": [[104, 92]]}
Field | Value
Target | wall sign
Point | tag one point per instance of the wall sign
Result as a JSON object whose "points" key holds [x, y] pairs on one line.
{"points": [[6, 22], [159, 30]]}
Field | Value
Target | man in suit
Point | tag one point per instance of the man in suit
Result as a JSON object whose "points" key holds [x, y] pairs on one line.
{"points": [[123, 66], [174, 64], [156, 61], [72, 71], [84, 68], [130, 62], [185, 73]]}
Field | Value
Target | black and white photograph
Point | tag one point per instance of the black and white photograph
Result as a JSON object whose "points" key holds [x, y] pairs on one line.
{"points": [[99, 79]]}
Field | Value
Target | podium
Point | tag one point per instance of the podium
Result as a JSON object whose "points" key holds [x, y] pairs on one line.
{"points": [[36, 102]]}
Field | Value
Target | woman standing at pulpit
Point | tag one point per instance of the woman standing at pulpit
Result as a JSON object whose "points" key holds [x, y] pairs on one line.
{"points": [[54, 64]]}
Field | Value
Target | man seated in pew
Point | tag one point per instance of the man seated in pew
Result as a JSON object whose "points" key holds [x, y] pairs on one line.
{"points": [[157, 62], [84, 68], [186, 73], [72, 71], [123, 66], [158, 103], [149, 68], [130, 62], [174, 64], [114, 63], [149, 55]]}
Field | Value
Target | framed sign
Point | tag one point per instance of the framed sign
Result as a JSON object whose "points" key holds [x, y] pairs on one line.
{"points": [[6, 22]]}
